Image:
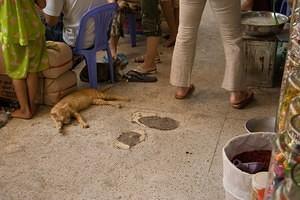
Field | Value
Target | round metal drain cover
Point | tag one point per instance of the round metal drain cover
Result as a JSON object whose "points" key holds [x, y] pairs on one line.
{"points": [[129, 139], [160, 123]]}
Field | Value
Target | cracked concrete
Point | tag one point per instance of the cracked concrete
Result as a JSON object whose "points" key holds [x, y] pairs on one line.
{"points": [[37, 163]]}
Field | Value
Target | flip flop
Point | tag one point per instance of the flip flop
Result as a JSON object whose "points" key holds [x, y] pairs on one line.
{"points": [[141, 70], [134, 76], [141, 59], [187, 94], [243, 103]]}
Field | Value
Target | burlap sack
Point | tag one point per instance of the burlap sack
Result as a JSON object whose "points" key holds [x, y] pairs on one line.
{"points": [[60, 59], [66, 80], [56, 89], [51, 99]]}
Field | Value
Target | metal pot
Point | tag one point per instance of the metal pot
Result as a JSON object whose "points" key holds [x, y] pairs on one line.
{"points": [[261, 124], [262, 23]]}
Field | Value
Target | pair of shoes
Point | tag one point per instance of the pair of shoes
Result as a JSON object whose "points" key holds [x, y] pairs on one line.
{"points": [[141, 70], [141, 59], [243, 103], [134, 76], [188, 93]]}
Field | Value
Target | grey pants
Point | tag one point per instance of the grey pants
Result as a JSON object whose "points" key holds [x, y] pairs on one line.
{"points": [[229, 20]]}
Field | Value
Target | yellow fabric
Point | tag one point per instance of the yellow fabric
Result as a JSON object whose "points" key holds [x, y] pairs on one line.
{"points": [[22, 38]]}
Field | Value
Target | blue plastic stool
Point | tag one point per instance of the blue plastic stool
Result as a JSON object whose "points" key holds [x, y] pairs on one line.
{"points": [[102, 17], [285, 8]]}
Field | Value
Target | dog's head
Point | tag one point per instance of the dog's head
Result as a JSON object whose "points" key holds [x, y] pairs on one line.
{"points": [[61, 116]]}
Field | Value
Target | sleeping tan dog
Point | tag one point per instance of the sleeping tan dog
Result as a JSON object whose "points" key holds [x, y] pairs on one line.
{"points": [[69, 107]]}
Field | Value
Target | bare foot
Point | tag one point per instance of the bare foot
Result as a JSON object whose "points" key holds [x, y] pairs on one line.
{"points": [[241, 99], [22, 114], [145, 69]]}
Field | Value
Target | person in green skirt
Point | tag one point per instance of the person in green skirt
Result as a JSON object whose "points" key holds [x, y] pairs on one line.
{"points": [[22, 38]]}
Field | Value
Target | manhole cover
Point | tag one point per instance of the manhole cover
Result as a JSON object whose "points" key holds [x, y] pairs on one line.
{"points": [[160, 123], [129, 139]]}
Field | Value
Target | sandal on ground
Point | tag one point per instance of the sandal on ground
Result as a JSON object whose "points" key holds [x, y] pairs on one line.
{"points": [[187, 94], [134, 76], [141, 59], [141, 70], [243, 103]]}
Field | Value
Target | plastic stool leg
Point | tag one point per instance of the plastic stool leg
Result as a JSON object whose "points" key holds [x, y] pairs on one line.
{"points": [[132, 28], [92, 70], [111, 65]]}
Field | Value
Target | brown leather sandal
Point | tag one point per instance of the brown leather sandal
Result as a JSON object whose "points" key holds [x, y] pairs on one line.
{"points": [[243, 103], [188, 93]]}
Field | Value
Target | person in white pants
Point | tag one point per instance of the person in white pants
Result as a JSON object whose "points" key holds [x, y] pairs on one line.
{"points": [[229, 20]]}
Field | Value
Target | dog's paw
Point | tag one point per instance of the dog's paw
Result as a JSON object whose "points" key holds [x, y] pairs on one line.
{"points": [[85, 126]]}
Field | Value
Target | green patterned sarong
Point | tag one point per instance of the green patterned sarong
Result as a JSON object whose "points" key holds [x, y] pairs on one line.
{"points": [[22, 38]]}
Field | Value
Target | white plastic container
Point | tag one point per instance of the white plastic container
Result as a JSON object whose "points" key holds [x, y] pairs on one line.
{"points": [[237, 184]]}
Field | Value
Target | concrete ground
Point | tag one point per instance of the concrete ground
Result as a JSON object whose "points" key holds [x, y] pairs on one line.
{"points": [[37, 163]]}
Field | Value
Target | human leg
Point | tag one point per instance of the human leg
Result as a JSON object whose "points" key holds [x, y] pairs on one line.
{"points": [[176, 12], [185, 47], [32, 82], [229, 18], [21, 93], [15, 68], [151, 52], [113, 45], [169, 13], [115, 34], [151, 28]]}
